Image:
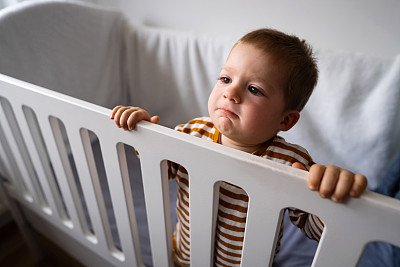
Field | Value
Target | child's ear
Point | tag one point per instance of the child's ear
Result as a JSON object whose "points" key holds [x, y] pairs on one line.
{"points": [[290, 118]]}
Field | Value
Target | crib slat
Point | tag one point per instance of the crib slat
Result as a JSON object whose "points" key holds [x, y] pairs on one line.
{"points": [[203, 200], [37, 174], [350, 229], [155, 186], [4, 162], [11, 171], [341, 245], [31, 195], [40, 160], [265, 215], [262, 230], [69, 187], [339, 236], [121, 197], [263, 219], [53, 136], [85, 177]]}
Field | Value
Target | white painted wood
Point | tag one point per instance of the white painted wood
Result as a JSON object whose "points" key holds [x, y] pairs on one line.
{"points": [[348, 227], [95, 207], [9, 165], [40, 153], [118, 182], [102, 241], [41, 177], [29, 192], [71, 220], [64, 173], [155, 186]]}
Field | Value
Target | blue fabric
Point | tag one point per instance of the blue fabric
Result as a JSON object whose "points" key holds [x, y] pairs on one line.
{"points": [[296, 249], [380, 253], [390, 184]]}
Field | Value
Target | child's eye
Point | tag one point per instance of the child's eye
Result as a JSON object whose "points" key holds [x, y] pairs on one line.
{"points": [[255, 91], [225, 79]]}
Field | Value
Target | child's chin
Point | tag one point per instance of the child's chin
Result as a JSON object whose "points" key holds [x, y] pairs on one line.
{"points": [[225, 125]]}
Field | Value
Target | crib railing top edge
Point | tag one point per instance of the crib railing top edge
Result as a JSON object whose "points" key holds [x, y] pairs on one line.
{"points": [[145, 125], [50, 93], [159, 130]]}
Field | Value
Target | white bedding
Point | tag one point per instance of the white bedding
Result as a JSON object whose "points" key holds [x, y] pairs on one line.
{"points": [[74, 50], [353, 117]]}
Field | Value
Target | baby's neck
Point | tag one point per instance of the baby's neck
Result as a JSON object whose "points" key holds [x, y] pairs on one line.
{"points": [[249, 148]]}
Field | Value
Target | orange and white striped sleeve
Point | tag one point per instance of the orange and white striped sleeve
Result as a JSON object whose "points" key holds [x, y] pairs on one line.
{"points": [[309, 224]]}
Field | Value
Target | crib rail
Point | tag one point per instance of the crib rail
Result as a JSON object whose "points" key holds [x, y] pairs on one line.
{"points": [[34, 154]]}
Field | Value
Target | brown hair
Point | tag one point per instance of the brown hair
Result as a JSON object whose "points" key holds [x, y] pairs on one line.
{"points": [[297, 57]]}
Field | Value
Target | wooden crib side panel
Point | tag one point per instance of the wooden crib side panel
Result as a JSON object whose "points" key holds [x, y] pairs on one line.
{"points": [[45, 107], [271, 187]]}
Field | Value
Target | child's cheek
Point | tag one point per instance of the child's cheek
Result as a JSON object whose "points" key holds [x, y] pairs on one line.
{"points": [[212, 101]]}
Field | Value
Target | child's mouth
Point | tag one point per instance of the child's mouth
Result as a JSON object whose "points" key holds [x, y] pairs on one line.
{"points": [[228, 112]]}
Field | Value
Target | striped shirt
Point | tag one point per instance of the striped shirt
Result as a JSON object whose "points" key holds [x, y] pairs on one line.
{"points": [[233, 201]]}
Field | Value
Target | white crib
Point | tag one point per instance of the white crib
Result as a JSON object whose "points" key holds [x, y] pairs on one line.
{"points": [[37, 124]]}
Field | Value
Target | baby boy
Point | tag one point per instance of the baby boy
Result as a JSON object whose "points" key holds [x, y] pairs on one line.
{"points": [[265, 83]]}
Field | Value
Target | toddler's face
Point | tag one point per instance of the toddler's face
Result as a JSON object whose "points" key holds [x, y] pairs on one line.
{"points": [[247, 102]]}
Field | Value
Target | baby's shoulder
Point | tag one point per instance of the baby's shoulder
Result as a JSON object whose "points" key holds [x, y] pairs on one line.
{"points": [[200, 122], [201, 127], [280, 143], [287, 153]]}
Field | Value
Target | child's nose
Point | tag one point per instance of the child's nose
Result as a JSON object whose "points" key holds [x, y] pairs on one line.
{"points": [[232, 93]]}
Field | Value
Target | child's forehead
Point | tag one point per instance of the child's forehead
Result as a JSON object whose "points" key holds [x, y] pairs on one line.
{"points": [[244, 49], [264, 49], [260, 58]]}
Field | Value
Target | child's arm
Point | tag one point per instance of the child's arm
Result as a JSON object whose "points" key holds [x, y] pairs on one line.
{"points": [[128, 117], [334, 182]]}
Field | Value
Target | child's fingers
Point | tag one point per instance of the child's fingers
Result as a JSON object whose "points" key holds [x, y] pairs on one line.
{"points": [[117, 115], [335, 183], [134, 117], [140, 115], [155, 119], [329, 181], [128, 117], [359, 185], [300, 166], [315, 176], [343, 186], [114, 111]]}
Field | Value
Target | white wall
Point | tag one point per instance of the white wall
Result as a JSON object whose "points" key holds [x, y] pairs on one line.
{"points": [[367, 26]]}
